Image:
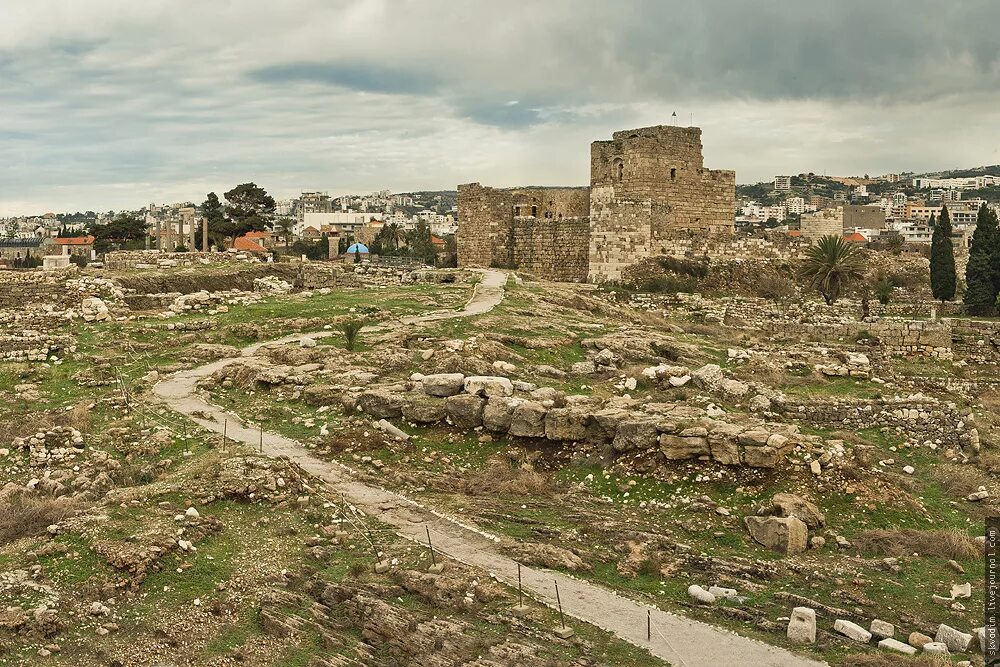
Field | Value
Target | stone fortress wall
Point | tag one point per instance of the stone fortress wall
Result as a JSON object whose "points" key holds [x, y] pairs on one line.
{"points": [[650, 194], [541, 231]]}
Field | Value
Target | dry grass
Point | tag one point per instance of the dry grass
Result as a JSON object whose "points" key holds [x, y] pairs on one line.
{"points": [[961, 480], [25, 515], [951, 543], [504, 474], [28, 424], [887, 660]]}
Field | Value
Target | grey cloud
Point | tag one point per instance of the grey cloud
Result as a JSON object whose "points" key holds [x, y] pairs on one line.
{"points": [[167, 99], [367, 77]]}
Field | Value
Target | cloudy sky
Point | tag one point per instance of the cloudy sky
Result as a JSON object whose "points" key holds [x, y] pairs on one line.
{"points": [[110, 104]]}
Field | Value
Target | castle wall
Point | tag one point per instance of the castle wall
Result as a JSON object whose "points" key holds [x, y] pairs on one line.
{"points": [[541, 231]]}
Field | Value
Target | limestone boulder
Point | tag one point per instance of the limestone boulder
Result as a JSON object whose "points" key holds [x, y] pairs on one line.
{"points": [[498, 413], [789, 504], [636, 434], [528, 420], [956, 640], [679, 447], [443, 384], [423, 409], [787, 535], [709, 377], [802, 626], [465, 411], [566, 424], [852, 631], [381, 404], [488, 386]]}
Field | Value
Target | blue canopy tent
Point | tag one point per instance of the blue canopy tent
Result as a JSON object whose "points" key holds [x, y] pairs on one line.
{"points": [[357, 248]]}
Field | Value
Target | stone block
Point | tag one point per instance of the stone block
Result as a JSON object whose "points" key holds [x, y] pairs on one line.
{"points": [[802, 626], [852, 631], [442, 384], [675, 447], [787, 535], [528, 420]]}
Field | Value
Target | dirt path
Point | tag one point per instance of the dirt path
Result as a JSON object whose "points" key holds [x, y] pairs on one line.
{"points": [[680, 641]]}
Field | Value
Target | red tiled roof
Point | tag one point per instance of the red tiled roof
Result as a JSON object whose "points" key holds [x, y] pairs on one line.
{"points": [[248, 245], [75, 240], [437, 240], [257, 235], [794, 232], [855, 238]]}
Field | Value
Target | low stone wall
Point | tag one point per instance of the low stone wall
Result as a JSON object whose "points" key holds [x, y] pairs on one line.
{"points": [[923, 418], [619, 426], [32, 346], [816, 320], [976, 340], [133, 259], [739, 246]]}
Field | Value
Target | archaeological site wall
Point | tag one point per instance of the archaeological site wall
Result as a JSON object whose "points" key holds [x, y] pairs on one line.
{"points": [[541, 231], [648, 185]]}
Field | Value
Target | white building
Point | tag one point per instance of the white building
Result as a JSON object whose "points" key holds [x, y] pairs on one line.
{"points": [[798, 205], [342, 222], [782, 182], [965, 183]]}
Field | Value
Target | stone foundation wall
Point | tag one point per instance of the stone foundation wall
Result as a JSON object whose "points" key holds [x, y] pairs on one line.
{"points": [[923, 418], [976, 340], [137, 259]]}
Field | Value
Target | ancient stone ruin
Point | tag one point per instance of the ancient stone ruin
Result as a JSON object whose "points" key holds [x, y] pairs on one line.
{"points": [[648, 188]]}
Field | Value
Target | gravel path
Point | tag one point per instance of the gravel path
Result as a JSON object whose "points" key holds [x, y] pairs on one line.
{"points": [[679, 641]]}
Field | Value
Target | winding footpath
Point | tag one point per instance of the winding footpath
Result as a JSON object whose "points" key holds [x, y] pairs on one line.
{"points": [[680, 641]]}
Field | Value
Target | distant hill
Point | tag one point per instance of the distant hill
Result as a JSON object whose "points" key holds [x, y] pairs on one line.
{"points": [[993, 169]]}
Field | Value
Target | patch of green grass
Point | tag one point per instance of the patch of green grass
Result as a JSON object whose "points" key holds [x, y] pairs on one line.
{"points": [[234, 635]]}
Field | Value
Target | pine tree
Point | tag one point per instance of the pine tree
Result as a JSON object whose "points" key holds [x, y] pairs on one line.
{"points": [[943, 279], [980, 286]]}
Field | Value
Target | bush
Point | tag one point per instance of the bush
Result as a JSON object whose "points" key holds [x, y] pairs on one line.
{"points": [[351, 330], [883, 291], [774, 286], [670, 283], [684, 267], [79, 260], [946, 543]]}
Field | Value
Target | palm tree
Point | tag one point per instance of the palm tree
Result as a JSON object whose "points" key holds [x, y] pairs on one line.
{"points": [[393, 235], [285, 226], [831, 264]]}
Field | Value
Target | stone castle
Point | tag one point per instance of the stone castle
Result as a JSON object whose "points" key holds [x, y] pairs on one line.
{"points": [[648, 187]]}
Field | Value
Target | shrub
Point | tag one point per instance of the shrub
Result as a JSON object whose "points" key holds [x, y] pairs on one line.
{"points": [[351, 330], [883, 291], [684, 267], [948, 543], [774, 286]]}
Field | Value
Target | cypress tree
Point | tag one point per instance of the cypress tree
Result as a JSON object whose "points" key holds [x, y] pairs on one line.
{"points": [[943, 279], [980, 288]]}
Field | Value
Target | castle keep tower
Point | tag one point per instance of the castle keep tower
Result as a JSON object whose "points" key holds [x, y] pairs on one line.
{"points": [[648, 185]]}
